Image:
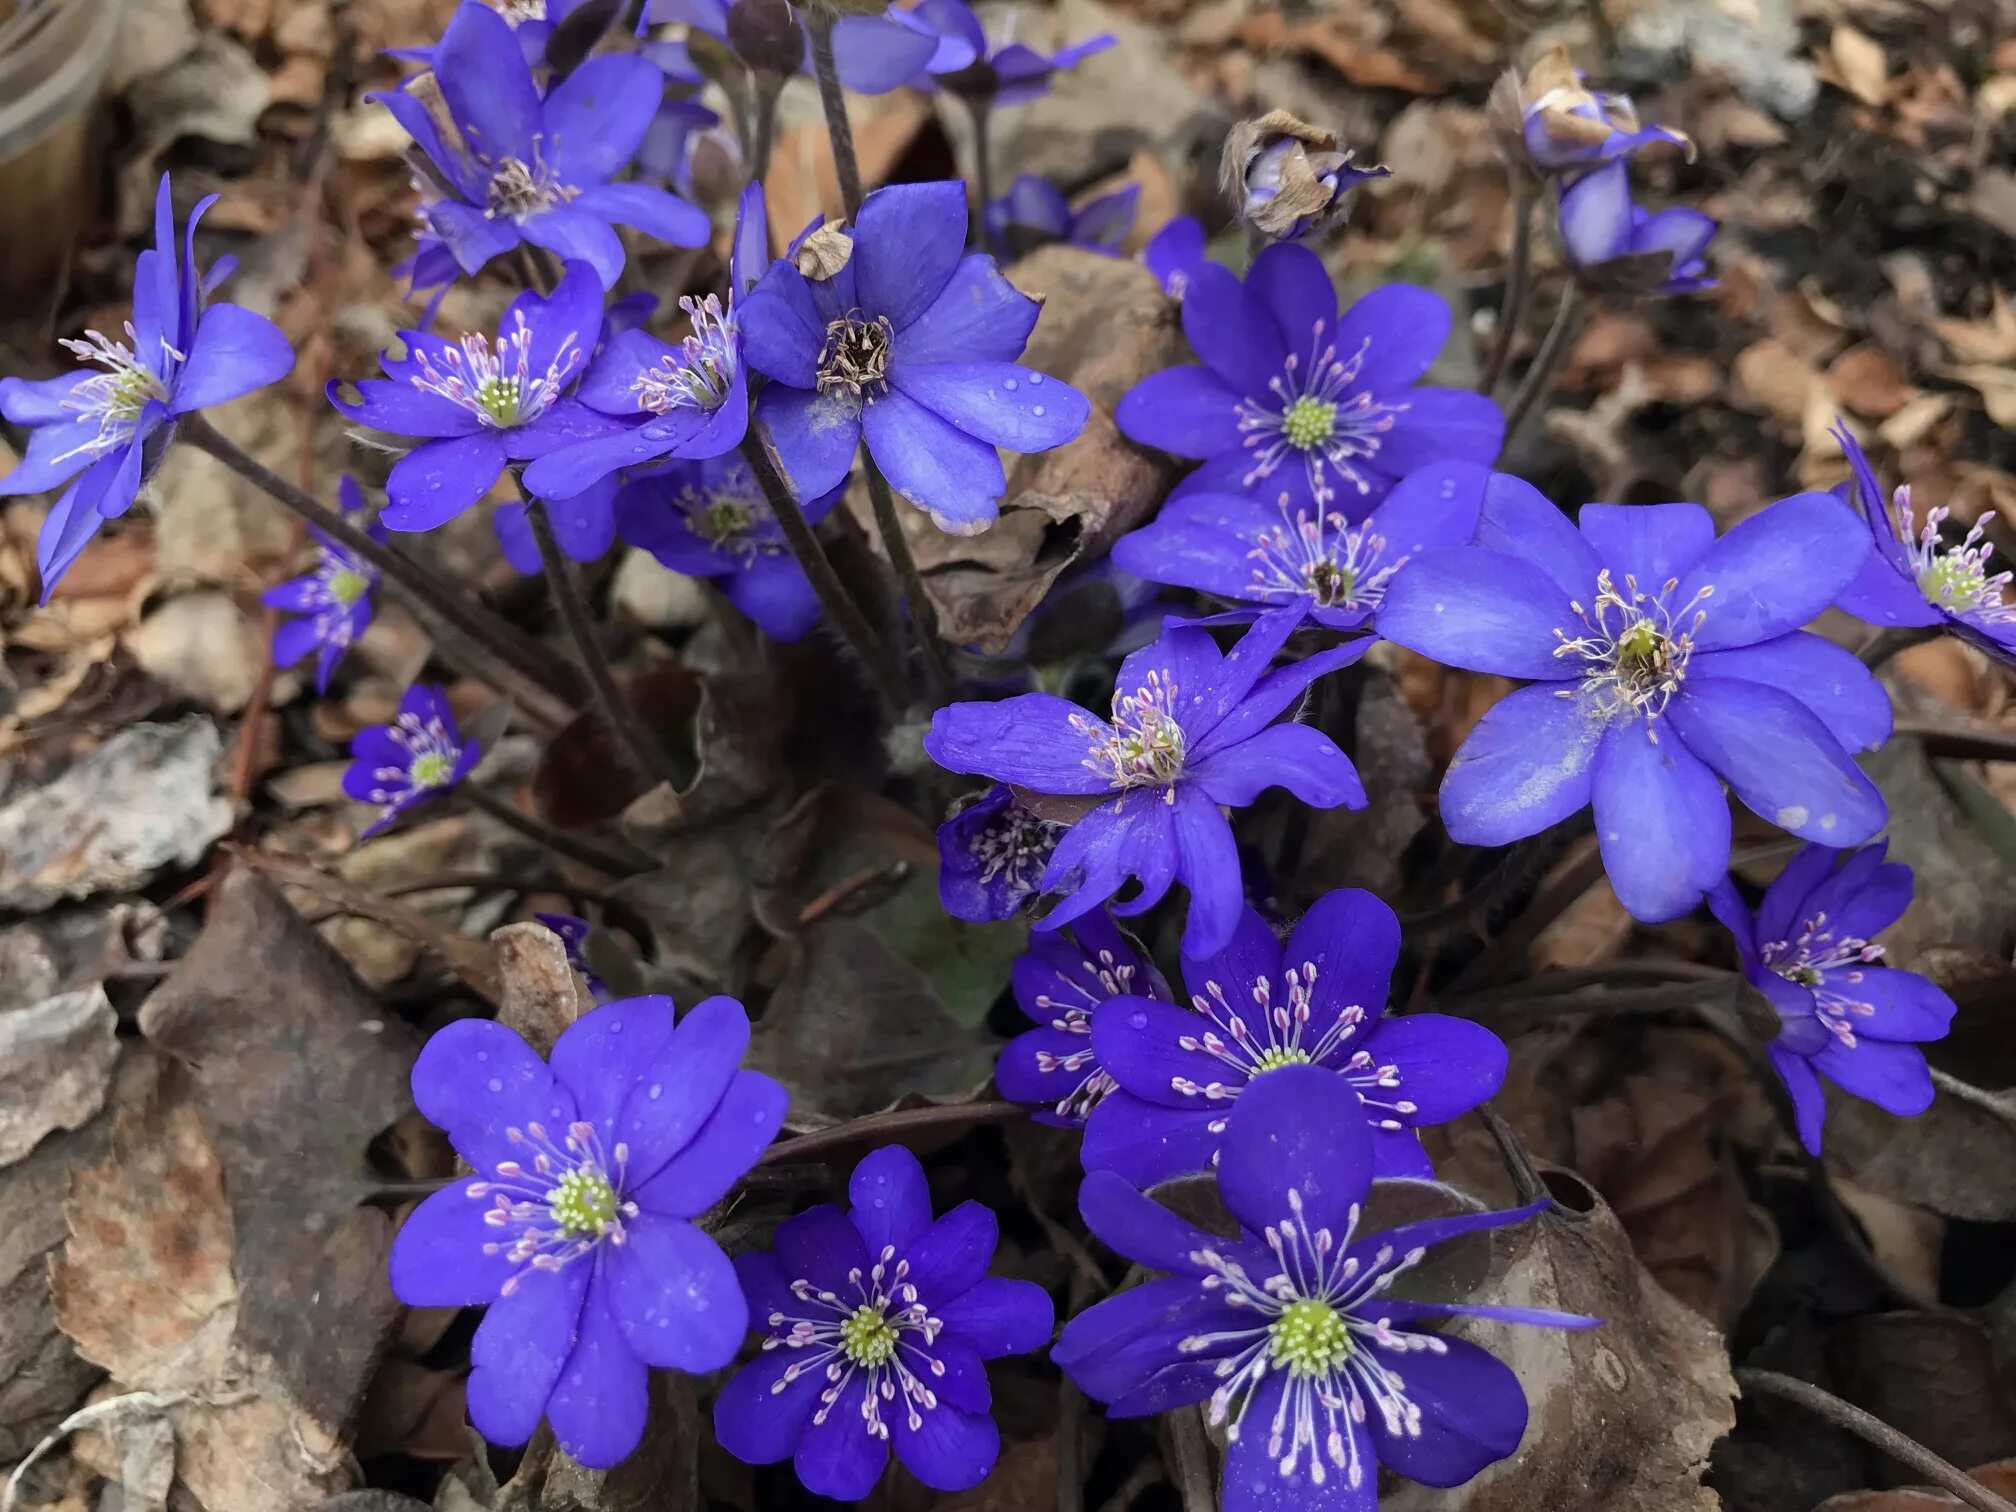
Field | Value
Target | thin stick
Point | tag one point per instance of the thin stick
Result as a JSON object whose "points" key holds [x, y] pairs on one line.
{"points": [[1958, 743], [541, 684], [983, 166], [846, 166], [1555, 347], [623, 862], [1873, 1430], [763, 124], [1518, 284], [617, 713], [1188, 1455], [882, 1128], [923, 613], [841, 611]]}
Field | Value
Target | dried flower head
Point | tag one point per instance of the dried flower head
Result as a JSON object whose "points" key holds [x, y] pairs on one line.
{"points": [[1288, 178]]}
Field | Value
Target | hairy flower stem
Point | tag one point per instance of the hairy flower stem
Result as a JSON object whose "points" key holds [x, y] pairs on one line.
{"points": [[923, 613], [846, 166], [615, 708], [535, 680], [884, 1128], [1518, 284], [983, 168], [841, 611], [610, 860], [1546, 362], [1873, 1430], [763, 92]]}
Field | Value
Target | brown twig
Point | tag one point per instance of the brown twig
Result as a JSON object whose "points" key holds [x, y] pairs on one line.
{"points": [[1958, 742], [1518, 284], [923, 612], [887, 1127], [1874, 1431], [612, 860]]}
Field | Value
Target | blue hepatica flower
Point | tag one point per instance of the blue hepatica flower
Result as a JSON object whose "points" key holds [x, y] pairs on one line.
{"points": [[1034, 213], [1242, 548], [577, 1229], [877, 1325], [1010, 74], [1617, 244], [1259, 1005], [1191, 728], [1809, 947], [1060, 983], [417, 757], [1175, 253], [991, 857], [1662, 659], [333, 602], [708, 519], [1563, 127], [873, 54], [1294, 398], [1914, 577], [691, 400], [481, 404], [521, 168], [103, 432], [1316, 1373], [911, 344]]}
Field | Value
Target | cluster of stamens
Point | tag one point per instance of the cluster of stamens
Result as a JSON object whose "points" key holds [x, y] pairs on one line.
{"points": [[1311, 1327], [1014, 845], [1323, 556], [1634, 646], [1231, 1041], [1828, 966], [117, 397], [567, 1200], [519, 190], [731, 516], [431, 755], [1112, 978], [497, 385], [1954, 578], [1144, 744], [701, 373], [854, 358], [883, 1329], [1316, 419]]}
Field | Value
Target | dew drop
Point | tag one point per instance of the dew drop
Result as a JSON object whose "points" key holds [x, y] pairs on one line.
{"points": [[616, 1027], [1137, 1020], [880, 1203], [1010, 384], [482, 1055], [1035, 380], [496, 1084], [1036, 409], [656, 1091]]}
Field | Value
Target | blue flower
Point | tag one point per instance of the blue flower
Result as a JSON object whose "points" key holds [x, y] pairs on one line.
{"points": [[991, 857], [1239, 547], [1551, 123], [877, 1325], [1007, 75], [1175, 253], [910, 344], [1663, 662], [1317, 1375], [1913, 577], [1809, 947], [1192, 728], [480, 405], [709, 519], [1293, 397], [417, 757], [333, 601], [518, 168], [1617, 245], [1034, 213], [108, 430], [577, 1230], [1060, 983], [1258, 1005], [873, 54]]}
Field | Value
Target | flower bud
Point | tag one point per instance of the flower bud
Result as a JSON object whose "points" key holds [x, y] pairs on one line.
{"points": [[1548, 121], [1288, 177], [766, 35]]}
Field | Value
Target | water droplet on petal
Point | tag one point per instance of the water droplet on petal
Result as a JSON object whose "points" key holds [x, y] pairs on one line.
{"points": [[1036, 409], [496, 1084], [1035, 380], [1137, 1020], [1010, 384], [656, 1091]]}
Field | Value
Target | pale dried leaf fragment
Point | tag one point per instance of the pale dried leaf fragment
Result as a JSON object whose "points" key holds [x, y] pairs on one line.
{"points": [[56, 1059], [1859, 65]]}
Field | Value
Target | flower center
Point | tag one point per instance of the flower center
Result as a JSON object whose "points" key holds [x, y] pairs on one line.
{"points": [[855, 356], [347, 585], [724, 518], [1144, 745], [519, 189], [583, 1203], [1308, 422], [1634, 647], [1016, 845], [1310, 1339], [1829, 966], [115, 397], [868, 1337], [703, 370], [1955, 579], [432, 769], [497, 385], [1319, 555], [1274, 1057]]}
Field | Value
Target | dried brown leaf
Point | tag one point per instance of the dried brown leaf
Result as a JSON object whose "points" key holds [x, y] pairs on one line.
{"points": [[1858, 65]]}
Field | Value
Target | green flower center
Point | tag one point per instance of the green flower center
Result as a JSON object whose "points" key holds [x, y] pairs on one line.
{"points": [[1641, 647], [1805, 976], [1310, 1339], [1951, 580], [1308, 422], [723, 520], [346, 586], [432, 769], [129, 391], [1274, 1057], [868, 1337], [500, 399], [1332, 584], [583, 1203]]}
